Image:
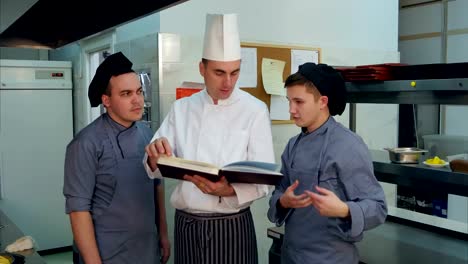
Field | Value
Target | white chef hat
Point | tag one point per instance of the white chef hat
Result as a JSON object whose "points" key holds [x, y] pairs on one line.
{"points": [[222, 41]]}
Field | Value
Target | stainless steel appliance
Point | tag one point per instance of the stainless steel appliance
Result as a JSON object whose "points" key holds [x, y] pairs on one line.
{"points": [[145, 79], [36, 124]]}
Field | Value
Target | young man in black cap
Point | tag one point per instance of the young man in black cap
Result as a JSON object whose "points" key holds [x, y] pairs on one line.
{"points": [[329, 195], [110, 199]]}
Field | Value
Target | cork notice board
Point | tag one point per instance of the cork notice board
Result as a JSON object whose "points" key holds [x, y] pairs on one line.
{"points": [[277, 52]]}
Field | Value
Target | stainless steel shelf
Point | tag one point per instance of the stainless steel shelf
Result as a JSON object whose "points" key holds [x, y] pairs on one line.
{"points": [[435, 91], [422, 177]]}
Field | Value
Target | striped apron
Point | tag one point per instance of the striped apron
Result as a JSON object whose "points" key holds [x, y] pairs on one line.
{"points": [[215, 238]]}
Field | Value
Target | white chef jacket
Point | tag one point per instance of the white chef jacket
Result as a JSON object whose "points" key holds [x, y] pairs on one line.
{"points": [[236, 129]]}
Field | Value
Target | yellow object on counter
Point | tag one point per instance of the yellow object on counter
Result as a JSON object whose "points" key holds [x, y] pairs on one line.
{"points": [[5, 260], [435, 160]]}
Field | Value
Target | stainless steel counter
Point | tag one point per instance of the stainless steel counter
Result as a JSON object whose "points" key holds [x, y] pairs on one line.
{"points": [[9, 233], [393, 243]]}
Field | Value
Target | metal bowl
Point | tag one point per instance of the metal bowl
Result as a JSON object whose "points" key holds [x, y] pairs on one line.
{"points": [[405, 155]]}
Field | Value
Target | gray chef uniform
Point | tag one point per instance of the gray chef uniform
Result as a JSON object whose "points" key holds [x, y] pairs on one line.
{"points": [[337, 159], [105, 176]]}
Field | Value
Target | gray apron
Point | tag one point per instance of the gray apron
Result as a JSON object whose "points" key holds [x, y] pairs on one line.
{"points": [[126, 230], [306, 224]]}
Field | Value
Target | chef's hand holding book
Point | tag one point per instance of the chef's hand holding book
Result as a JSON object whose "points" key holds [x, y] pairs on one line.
{"points": [[161, 148]]}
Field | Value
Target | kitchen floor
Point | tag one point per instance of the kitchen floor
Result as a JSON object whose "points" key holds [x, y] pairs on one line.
{"points": [[59, 258]]}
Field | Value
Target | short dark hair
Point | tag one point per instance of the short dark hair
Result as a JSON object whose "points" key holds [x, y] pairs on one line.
{"points": [[299, 79], [108, 90]]}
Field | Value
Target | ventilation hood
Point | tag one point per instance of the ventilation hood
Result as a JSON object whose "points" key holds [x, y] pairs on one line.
{"points": [[54, 23]]}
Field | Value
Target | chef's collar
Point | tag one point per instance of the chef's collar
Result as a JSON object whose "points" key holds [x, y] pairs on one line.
{"points": [[117, 127], [234, 97], [320, 130]]}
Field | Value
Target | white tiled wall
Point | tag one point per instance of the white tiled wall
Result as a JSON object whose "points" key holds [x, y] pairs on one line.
{"points": [[143, 52]]}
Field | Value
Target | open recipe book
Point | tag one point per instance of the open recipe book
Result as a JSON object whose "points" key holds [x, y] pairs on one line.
{"points": [[240, 172]]}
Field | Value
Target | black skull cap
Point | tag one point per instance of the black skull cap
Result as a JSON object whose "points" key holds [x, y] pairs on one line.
{"points": [[328, 82], [114, 65]]}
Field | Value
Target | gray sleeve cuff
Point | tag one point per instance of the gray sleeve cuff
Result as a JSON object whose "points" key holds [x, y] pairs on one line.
{"points": [[278, 214], [77, 204], [282, 214], [357, 219], [352, 228]]}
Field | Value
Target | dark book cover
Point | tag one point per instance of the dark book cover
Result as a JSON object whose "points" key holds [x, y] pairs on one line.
{"points": [[178, 173], [240, 172], [251, 177]]}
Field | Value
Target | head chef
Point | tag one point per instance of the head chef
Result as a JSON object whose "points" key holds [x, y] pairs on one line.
{"points": [[118, 88], [218, 125], [220, 65]]}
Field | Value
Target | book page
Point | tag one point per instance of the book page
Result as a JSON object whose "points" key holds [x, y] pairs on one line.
{"points": [[254, 166], [188, 164]]}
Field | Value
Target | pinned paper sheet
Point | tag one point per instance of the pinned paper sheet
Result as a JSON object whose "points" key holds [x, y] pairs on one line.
{"points": [[272, 76], [299, 57], [248, 73], [279, 108]]}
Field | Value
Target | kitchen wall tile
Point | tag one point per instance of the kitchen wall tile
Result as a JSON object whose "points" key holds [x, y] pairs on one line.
{"points": [[144, 49]]}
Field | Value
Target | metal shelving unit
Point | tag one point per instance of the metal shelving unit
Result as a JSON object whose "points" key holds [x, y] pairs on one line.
{"points": [[436, 91], [433, 92], [423, 177]]}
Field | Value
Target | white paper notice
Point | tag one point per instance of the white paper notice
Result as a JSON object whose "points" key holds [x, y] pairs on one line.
{"points": [[272, 76], [299, 57], [279, 108], [248, 73]]}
